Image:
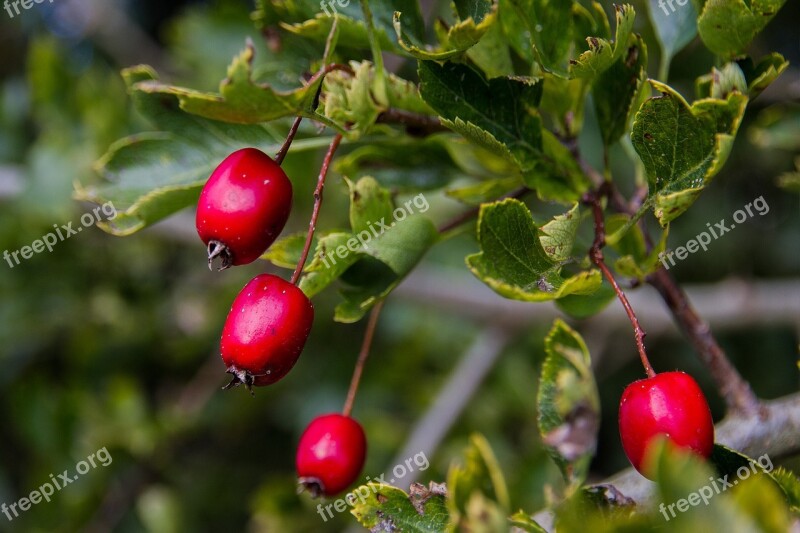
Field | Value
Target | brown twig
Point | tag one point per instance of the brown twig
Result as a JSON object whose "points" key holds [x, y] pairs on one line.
{"points": [[312, 225], [596, 255], [288, 142], [737, 393], [369, 333]]}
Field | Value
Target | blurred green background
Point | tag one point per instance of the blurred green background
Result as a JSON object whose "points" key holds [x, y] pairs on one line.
{"points": [[112, 342]]}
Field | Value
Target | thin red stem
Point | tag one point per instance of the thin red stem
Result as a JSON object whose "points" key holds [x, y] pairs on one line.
{"points": [[596, 255], [288, 142], [312, 225], [362, 357]]}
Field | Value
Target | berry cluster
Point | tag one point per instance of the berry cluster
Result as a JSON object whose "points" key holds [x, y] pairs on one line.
{"points": [[243, 207]]}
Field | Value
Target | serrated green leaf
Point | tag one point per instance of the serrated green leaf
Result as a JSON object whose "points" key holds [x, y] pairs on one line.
{"points": [[498, 114], [790, 484], [546, 31], [760, 76], [492, 54], [683, 147], [456, 40], [602, 53], [478, 473], [568, 403], [240, 99], [616, 90], [390, 509], [728, 26], [150, 176], [513, 262], [558, 235]]}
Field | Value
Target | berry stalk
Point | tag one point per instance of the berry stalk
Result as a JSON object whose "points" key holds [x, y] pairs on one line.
{"points": [[362, 357], [596, 255], [279, 157], [312, 225]]}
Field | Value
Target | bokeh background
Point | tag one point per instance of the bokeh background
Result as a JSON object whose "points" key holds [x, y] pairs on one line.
{"points": [[112, 342]]}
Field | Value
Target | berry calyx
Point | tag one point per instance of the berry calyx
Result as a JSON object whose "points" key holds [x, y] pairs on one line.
{"points": [[330, 454], [265, 331], [243, 207], [669, 404]]}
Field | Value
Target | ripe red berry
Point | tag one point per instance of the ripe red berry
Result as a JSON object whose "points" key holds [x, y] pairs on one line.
{"points": [[243, 207], [330, 454], [265, 331], [669, 404]]}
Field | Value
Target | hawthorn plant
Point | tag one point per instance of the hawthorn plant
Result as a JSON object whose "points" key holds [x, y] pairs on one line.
{"points": [[496, 96]]}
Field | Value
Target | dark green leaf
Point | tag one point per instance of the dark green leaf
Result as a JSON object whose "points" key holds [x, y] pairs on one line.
{"points": [[513, 261], [728, 26]]}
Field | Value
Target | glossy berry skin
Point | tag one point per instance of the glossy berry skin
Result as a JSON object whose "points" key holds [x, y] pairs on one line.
{"points": [[243, 207], [330, 454], [669, 404], [265, 331]]}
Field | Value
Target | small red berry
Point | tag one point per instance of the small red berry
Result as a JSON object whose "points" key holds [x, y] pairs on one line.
{"points": [[243, 207], [330, 454], [669, 404], [265, 331]]}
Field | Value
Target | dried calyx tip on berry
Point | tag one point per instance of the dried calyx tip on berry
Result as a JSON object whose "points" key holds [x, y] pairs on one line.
{"points": [[312, 485], [217, 249]]}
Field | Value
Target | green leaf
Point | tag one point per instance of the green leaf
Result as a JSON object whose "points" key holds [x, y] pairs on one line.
{"points": [[286, 251], [369, 203], [484, 191], [150, 176], [384, 246], [498, 114], [480, 474], [683, 147], [557, 176], [390, 509], [402, 163], [523, 521], [558, 235], [240, 99], [304, 18], [721, 83], [492, 54], [790, 484], [351, 103], [602, 54], [513, 261], [777, 127], [760, 76], [546, 31], [585, 306], [568, 403], [674, 29], [728, 26], [460, 37], [615, 91]]}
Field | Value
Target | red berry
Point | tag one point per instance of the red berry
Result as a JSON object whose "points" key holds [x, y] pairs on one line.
{"points": [[243, 207], [669, 404], [330, 454], [265, 331]]}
